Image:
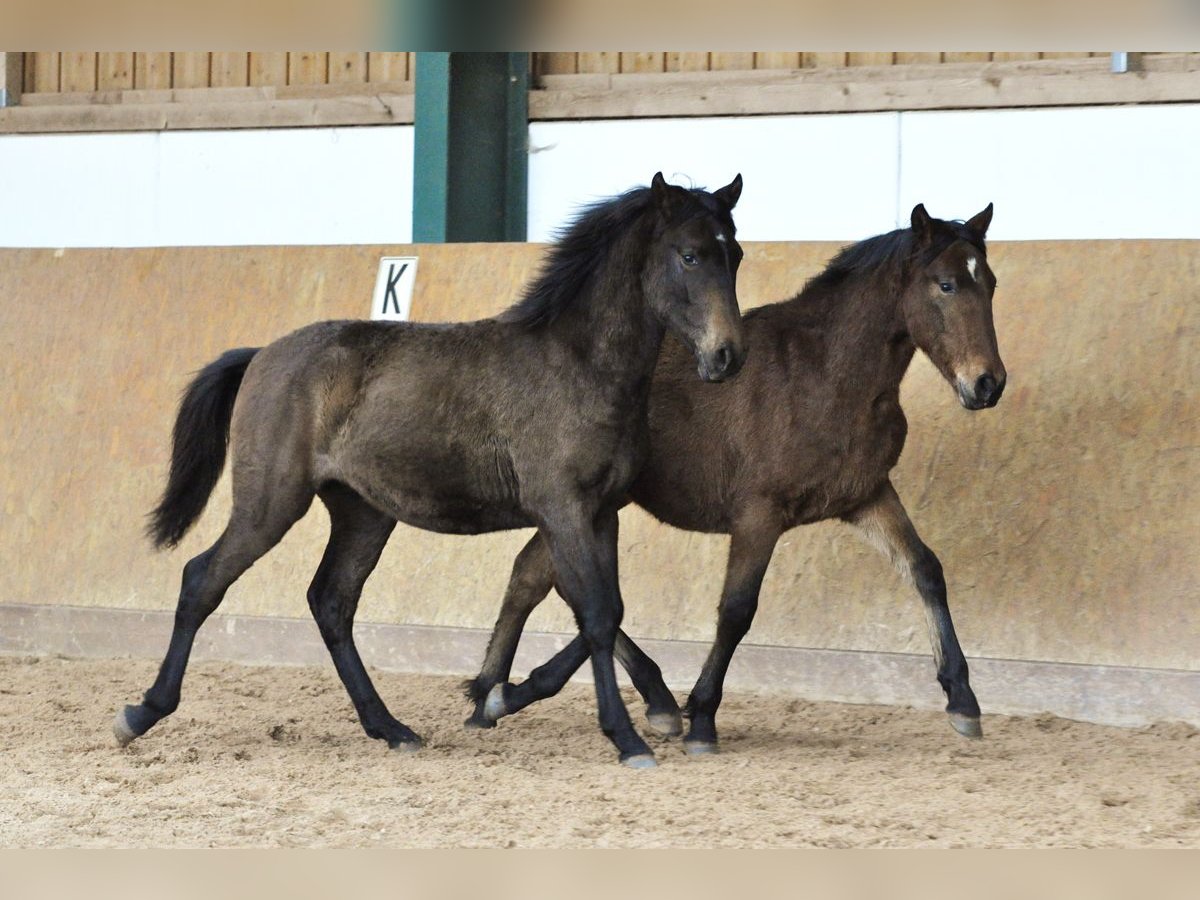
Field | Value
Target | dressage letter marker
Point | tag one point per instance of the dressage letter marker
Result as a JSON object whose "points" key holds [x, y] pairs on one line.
{"points": [[394, 288]]}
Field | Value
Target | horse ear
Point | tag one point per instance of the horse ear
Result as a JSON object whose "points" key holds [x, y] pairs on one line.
{"points": [[922, 223], [663, 195], [979, 223], [731, 192]]}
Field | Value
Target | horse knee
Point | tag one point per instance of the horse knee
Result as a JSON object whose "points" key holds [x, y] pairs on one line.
{"points": [[737, 611], [928, 575]]}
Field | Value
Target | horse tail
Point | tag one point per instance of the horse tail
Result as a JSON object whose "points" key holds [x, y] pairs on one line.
{"points": [[199, 442]]}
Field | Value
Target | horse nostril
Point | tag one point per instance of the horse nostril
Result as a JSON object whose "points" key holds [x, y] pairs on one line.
{"points": [[985, 386], [724, 358]]}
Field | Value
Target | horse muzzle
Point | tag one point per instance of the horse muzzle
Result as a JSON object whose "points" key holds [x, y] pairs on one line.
{"points": [[982, 393], [721, 364]]}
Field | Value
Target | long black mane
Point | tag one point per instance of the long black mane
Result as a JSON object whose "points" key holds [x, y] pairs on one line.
{"points": [[890, 254], [582, 248]]}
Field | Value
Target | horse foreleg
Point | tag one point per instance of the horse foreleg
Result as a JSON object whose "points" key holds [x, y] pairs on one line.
{"points": [[885, 523], [357, 535], [584, 551], [750, 550]]}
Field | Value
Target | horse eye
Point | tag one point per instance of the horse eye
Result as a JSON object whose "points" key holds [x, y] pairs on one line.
{"points": [[689, 259], [946, 286]]}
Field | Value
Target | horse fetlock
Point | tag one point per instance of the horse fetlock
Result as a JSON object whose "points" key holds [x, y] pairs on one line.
{"points": [[495, 706], [666, 723]]}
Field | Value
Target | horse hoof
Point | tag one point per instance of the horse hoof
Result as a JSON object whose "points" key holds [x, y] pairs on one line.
{"points": [[122, 730], [640, 761], [700, 748], [478, 722], [493, 706], [967, 726], [407, 746], [666, 724]]}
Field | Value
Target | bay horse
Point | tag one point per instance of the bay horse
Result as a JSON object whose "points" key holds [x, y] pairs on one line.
{"points": [[809, 431], [534, 418]]}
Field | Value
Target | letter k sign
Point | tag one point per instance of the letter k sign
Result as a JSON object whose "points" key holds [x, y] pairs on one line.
{"points": [[394, 288]]}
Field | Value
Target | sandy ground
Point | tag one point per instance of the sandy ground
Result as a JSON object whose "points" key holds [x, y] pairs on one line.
{"points": [[269, 757]]}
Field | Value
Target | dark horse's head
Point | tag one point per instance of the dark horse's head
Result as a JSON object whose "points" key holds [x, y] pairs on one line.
{"points": [[947, 305], [690, 275]]}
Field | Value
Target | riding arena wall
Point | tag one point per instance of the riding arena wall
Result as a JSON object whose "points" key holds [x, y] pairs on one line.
{"points": [[1066, 518]]}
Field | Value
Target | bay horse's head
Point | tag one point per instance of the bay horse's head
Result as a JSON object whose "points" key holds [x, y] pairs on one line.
{"points": [[690, 275], [948, 305]]}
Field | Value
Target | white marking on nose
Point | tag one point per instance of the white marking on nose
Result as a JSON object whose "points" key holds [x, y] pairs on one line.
{"points": [[971, 267]]}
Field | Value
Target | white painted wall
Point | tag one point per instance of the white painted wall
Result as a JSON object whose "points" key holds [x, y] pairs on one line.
{"points": [[1081, 173], [195, 188]]}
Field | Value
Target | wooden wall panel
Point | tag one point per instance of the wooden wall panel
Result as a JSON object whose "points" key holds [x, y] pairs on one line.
{"points": [[308, 68], [191, 70], [152, 71], [230, 69], [643, 62], [268, 69], [603, 61], [42, 72], [686, 62], [347, 68], [114, 71], [78, 72], [388, 67]]}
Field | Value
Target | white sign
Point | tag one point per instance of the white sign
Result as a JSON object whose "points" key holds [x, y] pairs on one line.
{"points": [[394, 288]]}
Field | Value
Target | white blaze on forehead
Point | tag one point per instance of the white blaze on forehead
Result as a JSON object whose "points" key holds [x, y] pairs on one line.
{"points": [[971, 262], [720, 237]]}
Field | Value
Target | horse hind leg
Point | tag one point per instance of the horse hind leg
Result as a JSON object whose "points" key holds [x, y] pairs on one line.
{"points": [[531, 580], [357, 535], [206, 578], [885, 523]]}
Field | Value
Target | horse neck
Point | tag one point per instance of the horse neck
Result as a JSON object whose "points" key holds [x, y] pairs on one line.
{"points": [[868, 347], [610, 327]]}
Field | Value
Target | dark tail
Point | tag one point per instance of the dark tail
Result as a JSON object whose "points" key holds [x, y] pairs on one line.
{"points": [[198, 446]]}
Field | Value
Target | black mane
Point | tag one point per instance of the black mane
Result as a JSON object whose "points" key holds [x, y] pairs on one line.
{"points": [[890, 253], [582, 247]]}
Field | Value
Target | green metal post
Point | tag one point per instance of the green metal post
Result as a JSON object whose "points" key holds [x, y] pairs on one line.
{"points": [[470, 173]]}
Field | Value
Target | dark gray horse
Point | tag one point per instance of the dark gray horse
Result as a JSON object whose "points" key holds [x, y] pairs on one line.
{"points": [[536, 417]]}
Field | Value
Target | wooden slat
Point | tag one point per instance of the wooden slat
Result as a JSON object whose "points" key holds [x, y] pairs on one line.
{"points": [[78, 72], [642, 62], [556, 63], [42, 72], [604, 61], [686, 62], [152, 71], [824, 60], [308, 67], [190, 70], [870, 58], [1011, 56], [777, 60], [114, 72], [922, 57], [347, 68], [954, 56], [732, 62], [230, 69], [268, 69], [387, 67], [1056, 54]]}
